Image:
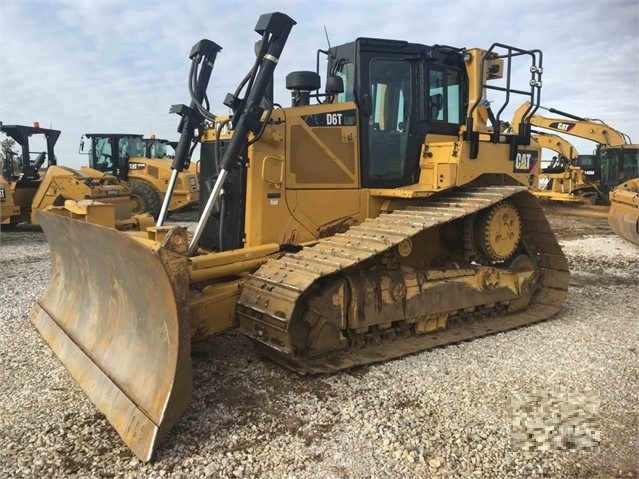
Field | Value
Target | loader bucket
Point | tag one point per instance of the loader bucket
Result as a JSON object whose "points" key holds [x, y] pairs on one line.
{"points": [[114, 312]]}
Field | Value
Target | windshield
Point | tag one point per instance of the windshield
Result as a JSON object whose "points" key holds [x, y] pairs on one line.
{"points": [[155, 149], [619, 165], [131, 147]]}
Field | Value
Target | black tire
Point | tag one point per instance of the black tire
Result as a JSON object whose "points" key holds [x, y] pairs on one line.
{"points": [[145, 199]]}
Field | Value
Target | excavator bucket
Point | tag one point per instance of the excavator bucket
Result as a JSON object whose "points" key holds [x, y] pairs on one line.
{"points": [[624, 210], [115, 314]]}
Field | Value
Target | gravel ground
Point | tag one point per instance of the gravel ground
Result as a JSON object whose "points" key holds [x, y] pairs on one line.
{"points": [[447, 412]]}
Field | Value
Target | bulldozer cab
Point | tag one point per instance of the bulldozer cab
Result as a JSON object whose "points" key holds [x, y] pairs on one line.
{"points": [[28, 168], [110, 152], [406, 91], [403, 91]]}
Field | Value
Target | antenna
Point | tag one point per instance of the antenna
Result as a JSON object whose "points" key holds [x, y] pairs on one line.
{"points": [[327, 40]]}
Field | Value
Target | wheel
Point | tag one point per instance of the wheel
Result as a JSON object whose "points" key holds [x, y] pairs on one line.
{"points": [[145, 199]]}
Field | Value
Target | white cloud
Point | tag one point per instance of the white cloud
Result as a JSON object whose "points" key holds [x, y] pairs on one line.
{"points": [[86, 66]]}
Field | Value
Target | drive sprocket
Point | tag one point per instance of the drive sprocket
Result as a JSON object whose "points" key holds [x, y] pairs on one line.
{"points": [[495, 233]]}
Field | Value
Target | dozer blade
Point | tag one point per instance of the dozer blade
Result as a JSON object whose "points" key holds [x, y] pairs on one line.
{"points": [[115, 314], [624, 221], [623, 216]]}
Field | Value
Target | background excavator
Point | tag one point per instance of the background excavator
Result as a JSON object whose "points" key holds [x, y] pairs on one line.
{"points": [[615, 170], [25, 190], [564, 180], [125, 157], [566, 151], [377, 218], [615, 159]]}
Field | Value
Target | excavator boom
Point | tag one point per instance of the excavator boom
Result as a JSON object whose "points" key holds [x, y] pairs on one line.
{"points": [[588, 129]]}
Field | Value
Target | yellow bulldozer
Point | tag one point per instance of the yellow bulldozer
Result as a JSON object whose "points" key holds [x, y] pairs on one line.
{"points": [[131, 158], [26, 190], [378, 217]]}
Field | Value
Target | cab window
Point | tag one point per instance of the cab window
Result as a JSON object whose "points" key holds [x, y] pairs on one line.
{"points": [[443, 101], [390, 83], [103, 154], [346, 71]]}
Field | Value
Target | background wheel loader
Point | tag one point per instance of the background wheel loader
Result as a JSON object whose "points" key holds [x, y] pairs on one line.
{"points": [[374, 219], [124, 156], [103, 199], [157, 148]]}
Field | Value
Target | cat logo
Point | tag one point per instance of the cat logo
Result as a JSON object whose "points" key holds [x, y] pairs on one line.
{"points": [[522, 162], [525, 162], [561, 125]]}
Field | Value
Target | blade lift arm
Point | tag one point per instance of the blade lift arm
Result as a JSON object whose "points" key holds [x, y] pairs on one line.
{"points": [[204, 52], [274, 28]]}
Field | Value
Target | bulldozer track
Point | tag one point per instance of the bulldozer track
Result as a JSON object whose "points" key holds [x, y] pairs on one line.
{"points": [[272, 294]]}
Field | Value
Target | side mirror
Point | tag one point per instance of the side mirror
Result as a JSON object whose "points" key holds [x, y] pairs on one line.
{"points": [[334, 85], [436, 102]]}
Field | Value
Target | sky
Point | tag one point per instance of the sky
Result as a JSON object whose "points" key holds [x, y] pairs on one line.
{"points": [[117, 66]]}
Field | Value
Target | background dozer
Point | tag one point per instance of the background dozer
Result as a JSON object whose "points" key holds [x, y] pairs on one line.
{"points": [[623, 216], [102, 198], [124, 156], [374, 219]]}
